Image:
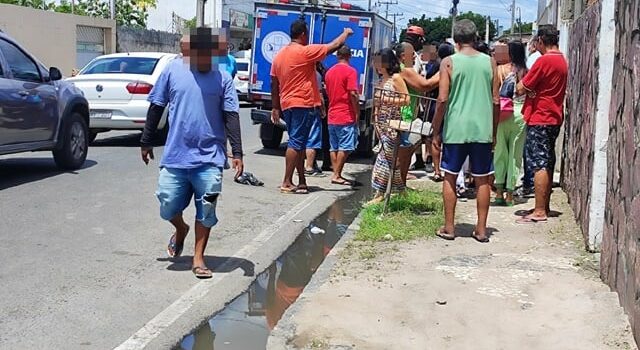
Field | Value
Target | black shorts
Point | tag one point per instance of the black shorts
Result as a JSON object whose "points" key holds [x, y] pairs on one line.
{"points": [[540, 147]]}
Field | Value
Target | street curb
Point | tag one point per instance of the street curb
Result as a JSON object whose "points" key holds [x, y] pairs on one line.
{"points": [[286, 328]]}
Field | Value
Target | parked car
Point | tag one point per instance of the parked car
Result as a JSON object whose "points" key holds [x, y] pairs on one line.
{"points": [[117, 87], [241, 80], [38, 111]]}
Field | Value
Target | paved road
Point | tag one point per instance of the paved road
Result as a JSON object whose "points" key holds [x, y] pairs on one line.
{"points": [[82, 254]]}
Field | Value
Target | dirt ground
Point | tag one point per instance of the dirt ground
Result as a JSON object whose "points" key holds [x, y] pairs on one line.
{"points": [[532, 287]]}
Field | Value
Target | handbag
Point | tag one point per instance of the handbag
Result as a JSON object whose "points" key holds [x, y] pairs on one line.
{"points": [[506, 108], [506, 97]]}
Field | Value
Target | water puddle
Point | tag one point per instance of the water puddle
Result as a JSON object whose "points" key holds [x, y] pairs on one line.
{"points": [[246, 322]]}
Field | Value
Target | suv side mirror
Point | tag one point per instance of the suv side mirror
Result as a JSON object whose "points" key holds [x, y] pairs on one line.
{"points": [[54, 74]]}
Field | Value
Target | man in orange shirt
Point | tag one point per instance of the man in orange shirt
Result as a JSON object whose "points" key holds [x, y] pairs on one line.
{"points": [[295, 96]]}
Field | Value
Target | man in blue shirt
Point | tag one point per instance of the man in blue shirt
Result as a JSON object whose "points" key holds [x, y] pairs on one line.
{"points": [[203, 114]]}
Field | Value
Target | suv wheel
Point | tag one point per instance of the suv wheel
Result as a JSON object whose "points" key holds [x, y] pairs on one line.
{"points": [[74, 143]]}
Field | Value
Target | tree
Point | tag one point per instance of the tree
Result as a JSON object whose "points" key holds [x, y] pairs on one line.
{"points": [[524, 28], [438, 29], [132, 13]]}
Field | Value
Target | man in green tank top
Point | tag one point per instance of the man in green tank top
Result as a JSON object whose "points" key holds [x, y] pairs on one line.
{"points": [[465, 124]]}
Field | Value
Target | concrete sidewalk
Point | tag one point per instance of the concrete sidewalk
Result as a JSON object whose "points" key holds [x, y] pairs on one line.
{"points": [[532, 287]]}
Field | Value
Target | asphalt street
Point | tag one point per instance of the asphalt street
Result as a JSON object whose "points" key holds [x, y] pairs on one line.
{"points": [[83, 261]]}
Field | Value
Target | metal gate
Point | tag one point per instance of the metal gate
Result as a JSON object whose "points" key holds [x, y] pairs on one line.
{"points": [[89, 44]]}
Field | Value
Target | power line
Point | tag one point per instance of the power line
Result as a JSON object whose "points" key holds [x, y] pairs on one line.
{"points": [[387, 3]]}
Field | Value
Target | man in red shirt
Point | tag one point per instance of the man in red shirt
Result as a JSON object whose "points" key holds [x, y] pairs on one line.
{"points": [[344, 111], [295, 96], [545, 86]]}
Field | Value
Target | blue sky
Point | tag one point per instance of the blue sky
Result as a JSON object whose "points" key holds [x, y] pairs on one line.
{"points": [[496, 9]]}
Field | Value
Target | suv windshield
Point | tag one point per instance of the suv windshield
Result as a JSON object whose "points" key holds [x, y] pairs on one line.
{"points": [[122, 65]]}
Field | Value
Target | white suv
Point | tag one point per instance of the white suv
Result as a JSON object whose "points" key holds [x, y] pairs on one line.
{"points": [[117, 87]]}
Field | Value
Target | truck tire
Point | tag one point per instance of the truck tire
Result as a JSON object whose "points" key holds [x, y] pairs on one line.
{"points": [[276, 139], [74, 143]]}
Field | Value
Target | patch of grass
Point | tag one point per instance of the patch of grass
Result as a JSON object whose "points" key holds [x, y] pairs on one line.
{"points": [[409, 216], [368, 253]]}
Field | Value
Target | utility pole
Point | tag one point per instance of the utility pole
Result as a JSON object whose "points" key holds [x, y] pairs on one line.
{"points": [[520, 23], [486, 31], [454, 13], [369, 7], [200, 12], [387, 3], [112, 9], [395, 28], [513, 18]]}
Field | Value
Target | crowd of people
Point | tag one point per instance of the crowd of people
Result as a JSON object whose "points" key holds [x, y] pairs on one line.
{"points": [[489, 110], [495, 111]]}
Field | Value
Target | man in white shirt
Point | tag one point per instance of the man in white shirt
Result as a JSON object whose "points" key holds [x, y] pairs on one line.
{"points": [[534, 54]]}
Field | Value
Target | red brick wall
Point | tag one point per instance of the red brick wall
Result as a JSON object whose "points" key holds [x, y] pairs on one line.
{"points": [[620, 264], [582, 93]]}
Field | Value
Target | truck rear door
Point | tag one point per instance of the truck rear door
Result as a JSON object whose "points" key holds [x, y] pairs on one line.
{"points": [[271, 34], [329, 26]]}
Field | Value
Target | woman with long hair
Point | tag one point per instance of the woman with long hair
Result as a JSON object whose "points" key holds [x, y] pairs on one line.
{"points": [[511, 129], [391, 96]]}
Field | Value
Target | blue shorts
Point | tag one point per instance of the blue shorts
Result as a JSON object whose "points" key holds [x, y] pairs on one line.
{"points": [[299, 124], [343, 137], [315, 136], [480, 158], [176, 187]]}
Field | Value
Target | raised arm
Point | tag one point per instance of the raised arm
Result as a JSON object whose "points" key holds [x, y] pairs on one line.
{"points": [[418, 82], [339, 41]]}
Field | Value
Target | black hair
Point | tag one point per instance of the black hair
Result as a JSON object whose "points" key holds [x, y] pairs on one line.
{"points": [[415, 40], [549, 35], [435, 43], [344, 52], [390, 61], [445, 50], [518, 55], [298, 28], [482, 47]]}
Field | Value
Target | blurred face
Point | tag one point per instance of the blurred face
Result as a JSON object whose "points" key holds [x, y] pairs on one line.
{"points": [[204, 47], [377, 64], [429, 53], [407, 55], [501, 54]]}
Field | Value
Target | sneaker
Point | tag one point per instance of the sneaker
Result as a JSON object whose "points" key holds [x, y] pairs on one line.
{"points": [[525, 192], [429, 168]]}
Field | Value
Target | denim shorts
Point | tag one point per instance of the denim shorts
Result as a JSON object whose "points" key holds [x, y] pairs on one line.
{"points": [[540, 147], [343, 137], [299, 124], [176, 187], [480, 158], [315, 136]]}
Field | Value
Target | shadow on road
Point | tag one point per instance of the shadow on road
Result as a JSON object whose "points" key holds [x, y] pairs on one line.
{"points": [[128, 140], [466, 230], [217, 264], [20, 171]]}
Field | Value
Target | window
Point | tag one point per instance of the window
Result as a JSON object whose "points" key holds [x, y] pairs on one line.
{"points": [[122, 65], [22, 67], [243, 67]]}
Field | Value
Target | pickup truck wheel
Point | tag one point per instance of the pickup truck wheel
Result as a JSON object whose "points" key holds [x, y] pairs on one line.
{"points": [[74, 139], [276, 139]]}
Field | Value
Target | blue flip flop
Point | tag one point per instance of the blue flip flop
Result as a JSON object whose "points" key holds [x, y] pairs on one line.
{"points": [[174, 250]]}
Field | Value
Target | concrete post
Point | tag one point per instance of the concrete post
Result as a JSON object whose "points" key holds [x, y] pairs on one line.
{"points": [[606, 48]]}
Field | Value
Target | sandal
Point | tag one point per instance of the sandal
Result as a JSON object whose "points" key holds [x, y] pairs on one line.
{"points": [[442, 233], [174, 250], [302, 189], [437, 177], [484, 239], [202, 272], [288, 190], [343, 182], [530, 220]]}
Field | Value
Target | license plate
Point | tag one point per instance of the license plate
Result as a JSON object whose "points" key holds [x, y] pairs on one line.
{"points": [[100, 115]]}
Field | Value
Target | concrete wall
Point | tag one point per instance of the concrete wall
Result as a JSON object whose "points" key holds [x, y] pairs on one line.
{"points": [[620, 263], [142, 40], [51, 36]]}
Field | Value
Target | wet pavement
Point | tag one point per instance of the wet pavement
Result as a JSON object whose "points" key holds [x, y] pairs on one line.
{"points": [[246, 322]]}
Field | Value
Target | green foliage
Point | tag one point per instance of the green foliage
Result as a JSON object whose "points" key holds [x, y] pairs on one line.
{"points": [[438, 29], [414, 214], [132, 13], [190, 23], [524, 28]]}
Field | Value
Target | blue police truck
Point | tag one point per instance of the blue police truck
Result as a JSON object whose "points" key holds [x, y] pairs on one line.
{"points": [[272, 22]]}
